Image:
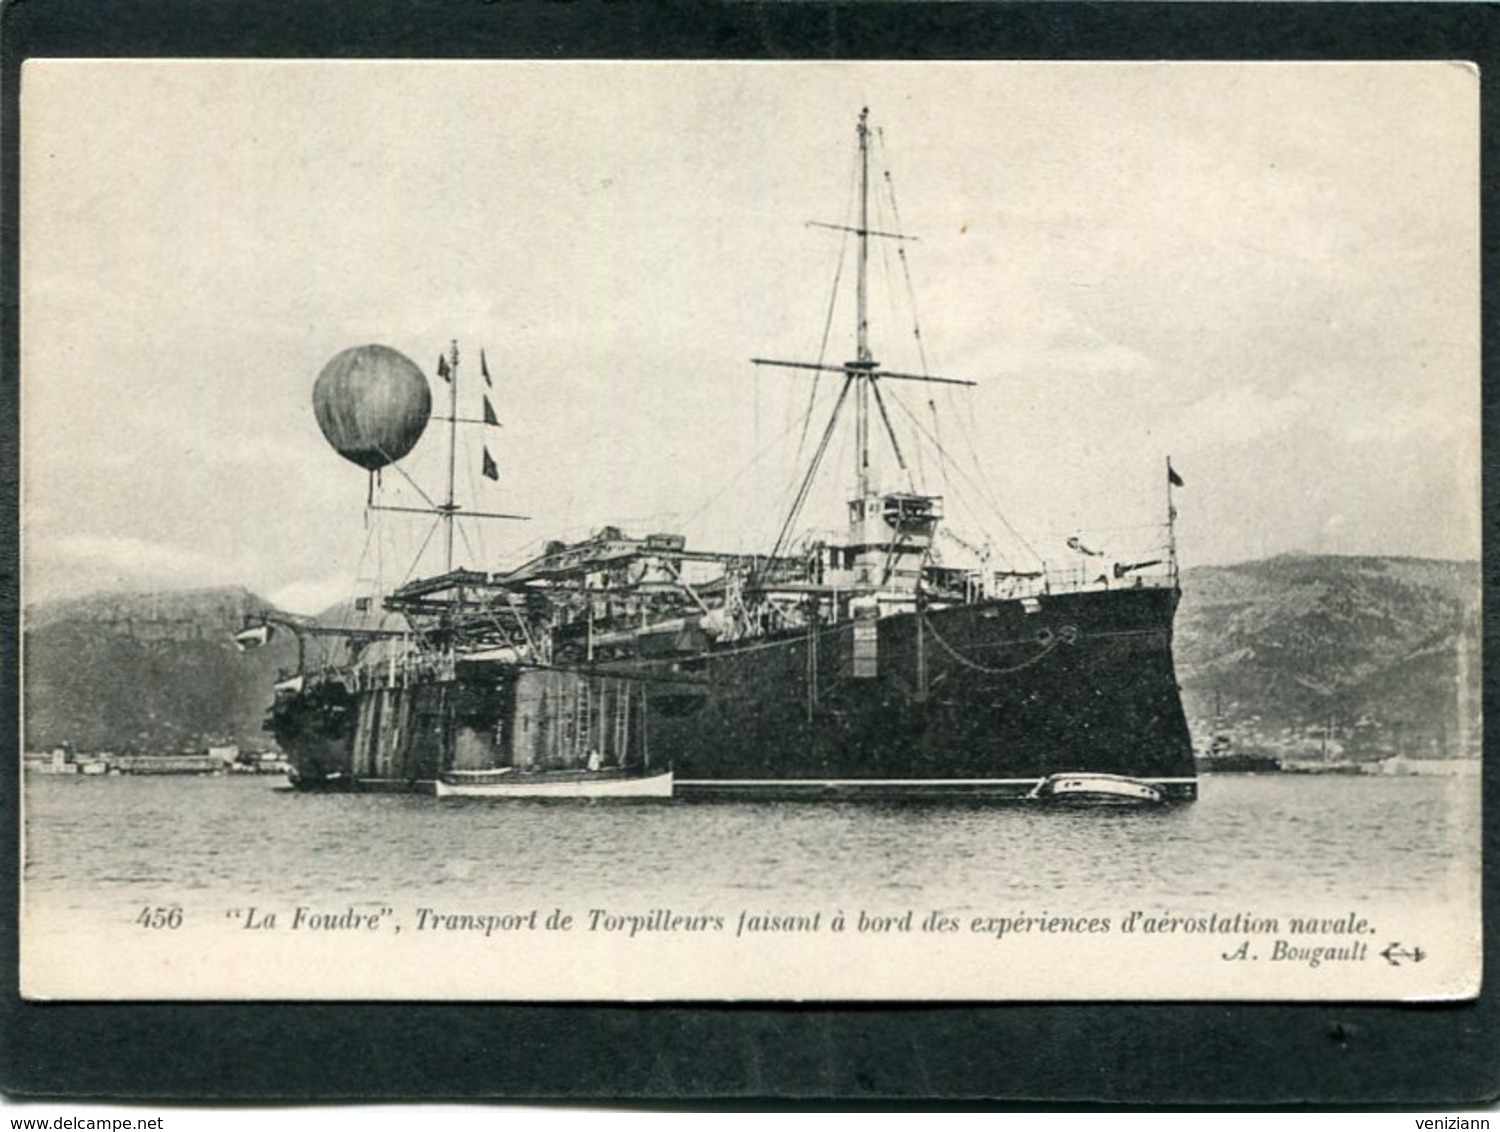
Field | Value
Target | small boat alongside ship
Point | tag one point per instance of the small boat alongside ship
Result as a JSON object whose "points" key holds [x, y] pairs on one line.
{"points": [[869, 662], [505, 782], [1094, 791]]}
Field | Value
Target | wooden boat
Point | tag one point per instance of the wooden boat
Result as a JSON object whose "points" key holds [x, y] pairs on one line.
{"points": [[510, 783]]}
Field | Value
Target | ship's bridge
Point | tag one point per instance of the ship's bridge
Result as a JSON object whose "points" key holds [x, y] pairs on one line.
{"points": [[900, 511], [888, 540]]}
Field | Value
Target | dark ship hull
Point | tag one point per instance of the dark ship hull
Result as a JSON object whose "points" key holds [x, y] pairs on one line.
{"points": [[981, 699], [1084, 683]]}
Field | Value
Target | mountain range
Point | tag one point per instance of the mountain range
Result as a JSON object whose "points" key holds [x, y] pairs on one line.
{"points": [[147, 672], [1383, 651]]}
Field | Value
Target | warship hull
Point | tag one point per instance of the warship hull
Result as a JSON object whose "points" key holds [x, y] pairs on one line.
{"points": [[978, 699], [982, 699]]}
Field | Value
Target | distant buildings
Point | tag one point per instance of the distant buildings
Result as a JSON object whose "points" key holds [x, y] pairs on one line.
{"points": [[228, 759]]}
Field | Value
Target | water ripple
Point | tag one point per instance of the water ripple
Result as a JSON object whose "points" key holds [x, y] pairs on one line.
{"points": [[1299, 837]]}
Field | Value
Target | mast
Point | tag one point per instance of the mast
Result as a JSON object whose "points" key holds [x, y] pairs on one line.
{"points": [[860, 374], [1172, 480], [449, 507], [863, 361], [415, 597]]}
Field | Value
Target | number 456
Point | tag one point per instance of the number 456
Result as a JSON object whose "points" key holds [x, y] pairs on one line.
{"points": [[160, 917]]}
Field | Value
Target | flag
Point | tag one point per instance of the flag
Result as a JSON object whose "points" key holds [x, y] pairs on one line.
{"points": [[490, 471], [1075, 543], [361, 605], [1172, 477], [489, 413], [443, 371], [484, 368]]}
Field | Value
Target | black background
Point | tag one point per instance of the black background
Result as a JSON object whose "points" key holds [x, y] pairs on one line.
{"points": [[1135, 1055]]}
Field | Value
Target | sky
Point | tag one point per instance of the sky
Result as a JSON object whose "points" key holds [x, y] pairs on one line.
{"points": [[1268, 272]]}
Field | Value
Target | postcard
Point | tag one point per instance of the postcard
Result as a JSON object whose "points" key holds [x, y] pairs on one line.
{"points": [[784, 532]]}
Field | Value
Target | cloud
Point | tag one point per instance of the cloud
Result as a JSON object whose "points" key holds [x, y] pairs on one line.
{"points": [[1248, 267], [77, 564], [1240, 414], [310, 595]]}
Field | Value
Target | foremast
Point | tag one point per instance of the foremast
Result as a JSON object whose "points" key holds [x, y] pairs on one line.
{"points": [[449, 507], [438, 606]]}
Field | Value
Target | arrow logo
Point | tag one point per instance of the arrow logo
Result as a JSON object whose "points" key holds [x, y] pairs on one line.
{"points": [[1395, 953]]}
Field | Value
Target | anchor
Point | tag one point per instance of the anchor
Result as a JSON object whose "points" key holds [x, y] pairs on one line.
{"points": [[1395, 953]]}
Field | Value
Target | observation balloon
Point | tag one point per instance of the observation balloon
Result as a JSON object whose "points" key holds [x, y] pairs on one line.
{"points": [[372, 404]]}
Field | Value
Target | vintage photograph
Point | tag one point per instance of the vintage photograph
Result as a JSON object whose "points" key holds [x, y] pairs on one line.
{"points": [[519, 531]]}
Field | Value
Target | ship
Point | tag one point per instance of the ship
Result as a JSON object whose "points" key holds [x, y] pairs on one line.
{"points": [[1224, 756], [862, 663]]}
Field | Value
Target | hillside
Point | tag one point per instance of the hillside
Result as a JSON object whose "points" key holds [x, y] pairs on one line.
{"points": [[1384, 649], [155, 672]]}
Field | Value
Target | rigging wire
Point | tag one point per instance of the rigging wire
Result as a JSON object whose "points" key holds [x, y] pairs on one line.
{"points": [[911, 297], [412, 569], [812, 394], [895, 225], [937, 431], [813, 468], [733, 479], [986, 494], [968, 433], [463, 533], [325, 645], [475, 487], [890, 432], [833, 297], [415, 486], [890, 292], [471, 486], [978, 486], [911, 291], [371, 531]]}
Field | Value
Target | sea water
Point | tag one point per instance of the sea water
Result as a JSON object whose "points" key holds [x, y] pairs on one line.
{"points": [[106, 847]]}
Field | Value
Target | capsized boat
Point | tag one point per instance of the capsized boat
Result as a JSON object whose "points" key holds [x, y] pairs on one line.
{"points": [[1086, 789]]}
